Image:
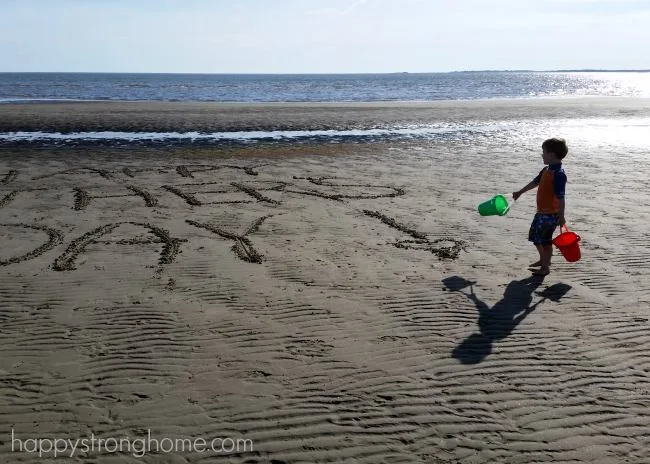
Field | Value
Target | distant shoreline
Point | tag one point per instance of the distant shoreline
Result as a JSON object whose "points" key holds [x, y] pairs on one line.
{"points": [[586, 70]]}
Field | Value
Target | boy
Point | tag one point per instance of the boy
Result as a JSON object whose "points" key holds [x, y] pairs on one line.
{"points": [[551, 182]]}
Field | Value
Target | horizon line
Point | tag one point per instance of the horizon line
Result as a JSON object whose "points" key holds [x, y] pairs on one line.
{"points": [[331, 73]]}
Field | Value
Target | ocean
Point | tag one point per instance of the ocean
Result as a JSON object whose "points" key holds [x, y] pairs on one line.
{"points": [[29, 88], [26, 87]]}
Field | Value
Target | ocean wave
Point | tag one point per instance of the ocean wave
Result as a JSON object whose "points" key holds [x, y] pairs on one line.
{"points": [[409, 132]]}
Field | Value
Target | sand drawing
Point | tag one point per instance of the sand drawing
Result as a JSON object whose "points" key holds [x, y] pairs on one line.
{"points": [[189, 198], [171, 245], [9, 177], [128, 172], [393, 191], [102, 172], [54, 238], [243, 247], [82, 197], [8, 198], [213, 193], [183, 171], [148, 198], [131, 172], [189, 192], [65, 262], [337, 196], [445, 248], [188, 171], [395, 225], [254, 193]]}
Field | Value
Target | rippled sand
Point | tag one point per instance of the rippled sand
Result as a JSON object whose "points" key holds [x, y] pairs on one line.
{"points": [[331, 303]]}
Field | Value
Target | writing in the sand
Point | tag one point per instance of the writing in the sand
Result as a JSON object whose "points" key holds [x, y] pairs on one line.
{"points": [[156, 189], [150, 194]]}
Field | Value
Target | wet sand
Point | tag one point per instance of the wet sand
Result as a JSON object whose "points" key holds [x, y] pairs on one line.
{"points": [[217, 117], [331, 303]]}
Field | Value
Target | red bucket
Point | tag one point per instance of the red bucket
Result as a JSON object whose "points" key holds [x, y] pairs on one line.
{"points": [[568, 244]]}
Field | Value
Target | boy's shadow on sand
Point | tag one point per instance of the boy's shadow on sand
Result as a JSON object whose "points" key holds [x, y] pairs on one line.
{"points": [[499, 321]]}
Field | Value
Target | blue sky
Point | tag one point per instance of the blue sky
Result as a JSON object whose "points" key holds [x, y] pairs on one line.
{"points": [[321, 36]]}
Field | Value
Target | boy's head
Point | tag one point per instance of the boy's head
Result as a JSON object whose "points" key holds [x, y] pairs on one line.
{"points": [[554, 149]]}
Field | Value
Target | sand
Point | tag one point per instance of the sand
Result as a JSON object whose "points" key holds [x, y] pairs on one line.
{"points": [[329, 303], [216, 117]]}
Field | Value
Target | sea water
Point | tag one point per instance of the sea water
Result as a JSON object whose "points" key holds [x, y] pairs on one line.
{"points": [[17, 87]]}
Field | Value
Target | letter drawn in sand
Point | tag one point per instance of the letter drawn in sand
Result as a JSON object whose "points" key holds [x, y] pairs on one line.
{"points": [[102, 172], [8, 177], [8, 198], [54, 238], [188, 171], [255, 193], [215, 193], [243, 247], [171, 245], [342, 191], [444, 248], [82, 197]]}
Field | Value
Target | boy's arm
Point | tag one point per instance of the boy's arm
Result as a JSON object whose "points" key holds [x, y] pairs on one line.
{"points": [[534, 183], [528, 187], [560, 215], [559, 186]]}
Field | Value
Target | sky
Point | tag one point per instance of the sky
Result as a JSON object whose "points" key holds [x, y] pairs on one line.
{"points": [[322, 36]]}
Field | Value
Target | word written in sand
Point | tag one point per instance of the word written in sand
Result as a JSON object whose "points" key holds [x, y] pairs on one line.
{"points": [[121, 185], [66, 261], [243, 247]]}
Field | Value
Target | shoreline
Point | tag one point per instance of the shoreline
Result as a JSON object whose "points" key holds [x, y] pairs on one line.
{"points": [[68, 117]]}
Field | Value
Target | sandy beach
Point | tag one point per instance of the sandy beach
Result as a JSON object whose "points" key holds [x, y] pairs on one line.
{"points": [[329, 303]]}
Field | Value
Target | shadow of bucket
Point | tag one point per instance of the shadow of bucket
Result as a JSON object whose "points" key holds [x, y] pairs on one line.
{"points": [[568, 244], [497, 206]]}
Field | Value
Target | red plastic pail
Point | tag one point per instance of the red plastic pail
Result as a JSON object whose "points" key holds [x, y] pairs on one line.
{"points": [[568, 244]]}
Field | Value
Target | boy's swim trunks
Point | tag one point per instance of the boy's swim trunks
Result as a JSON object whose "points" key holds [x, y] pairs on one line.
{"points": [[542, 228]]}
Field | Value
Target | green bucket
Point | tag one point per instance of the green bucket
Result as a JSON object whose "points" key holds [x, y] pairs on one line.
{"points": [[495, 206]]}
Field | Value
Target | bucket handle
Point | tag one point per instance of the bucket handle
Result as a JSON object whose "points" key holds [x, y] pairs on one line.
{"points": [[566, 229], [506, 195]]}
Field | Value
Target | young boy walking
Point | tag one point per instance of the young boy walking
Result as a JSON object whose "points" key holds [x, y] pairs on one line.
{"points": [[550, 184]]}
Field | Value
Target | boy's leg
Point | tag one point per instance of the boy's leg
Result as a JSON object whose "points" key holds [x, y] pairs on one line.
{"points": [[543, 234], [540, 250], [546, 255], [533, 236]]}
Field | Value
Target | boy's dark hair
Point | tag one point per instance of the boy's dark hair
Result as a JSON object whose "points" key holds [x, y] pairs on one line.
{"points": [[557, 146]]}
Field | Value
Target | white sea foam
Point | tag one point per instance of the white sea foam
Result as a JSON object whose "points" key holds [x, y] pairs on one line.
{"points": [[24, 136], [623, 131]]}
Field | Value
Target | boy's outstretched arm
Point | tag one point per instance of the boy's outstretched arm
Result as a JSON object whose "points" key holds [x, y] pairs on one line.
{"points": [[528, 187]]}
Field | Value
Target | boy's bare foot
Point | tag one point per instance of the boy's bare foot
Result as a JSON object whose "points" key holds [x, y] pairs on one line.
{"points": [[541, 272], [536, 264]]}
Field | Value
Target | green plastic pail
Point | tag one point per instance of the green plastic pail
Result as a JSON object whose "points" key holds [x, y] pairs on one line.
{"points": [[497, 206]]}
